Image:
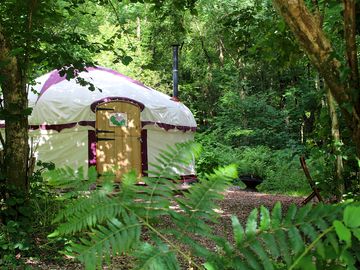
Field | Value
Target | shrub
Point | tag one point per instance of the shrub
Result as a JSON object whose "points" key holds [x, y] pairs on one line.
{"points": [[279, 169], [214, 154], [284, 174], [24, 215]]}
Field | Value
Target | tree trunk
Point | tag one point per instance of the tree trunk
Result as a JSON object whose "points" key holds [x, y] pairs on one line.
{"points": [[16, 131], [138, 28], [335, 133], [221, 53], [309, 34], [350, 41]]}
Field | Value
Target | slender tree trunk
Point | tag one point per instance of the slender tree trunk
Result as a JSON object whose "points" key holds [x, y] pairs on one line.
{"points": [[335, 133], [138, 28], [309, 34], [352, 60], [350, 38], [16, 131], [221, 52]]}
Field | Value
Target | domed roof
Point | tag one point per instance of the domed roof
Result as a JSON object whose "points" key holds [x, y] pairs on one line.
{"points": [[62, 102]]}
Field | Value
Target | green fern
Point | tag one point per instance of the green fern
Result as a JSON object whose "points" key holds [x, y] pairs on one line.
{"points": [[155, 257], [304, 238], [67, 178], [88, 212], [116, 237], [156, 196], [109, 222], [93, 212]]}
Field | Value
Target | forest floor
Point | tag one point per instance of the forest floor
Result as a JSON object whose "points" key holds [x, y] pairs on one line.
{"points": [[236, 202]]}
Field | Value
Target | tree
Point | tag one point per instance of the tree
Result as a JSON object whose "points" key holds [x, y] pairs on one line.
{"points": [[342, 77], [36, 36]]}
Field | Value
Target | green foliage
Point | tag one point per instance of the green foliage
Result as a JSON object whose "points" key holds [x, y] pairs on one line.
{"points": [[156, 257], [250, 121], [311, 237], [280, 169], [284, 174], [23, 215], [110, 221], [304, 238]]}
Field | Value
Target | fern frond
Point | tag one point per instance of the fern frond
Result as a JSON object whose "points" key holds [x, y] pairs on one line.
{"points": [[68, 178], [88, 212], [156, 257], [197, 208], [117, 237], [279, 240], [142, 203], [251, 224], [271, 245], [128, 189], [200, 200], [159, 190], [264, 218]]}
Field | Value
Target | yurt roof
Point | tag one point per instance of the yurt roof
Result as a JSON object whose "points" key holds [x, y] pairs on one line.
{"points": [[62, 102]]}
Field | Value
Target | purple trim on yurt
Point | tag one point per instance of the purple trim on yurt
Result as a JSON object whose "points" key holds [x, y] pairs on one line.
{"points": [[60, 127], [108, 99], [91, 148], [168, 126], [57, 127], [144, 153], [188, 178], [55, 78], [87, 123]]}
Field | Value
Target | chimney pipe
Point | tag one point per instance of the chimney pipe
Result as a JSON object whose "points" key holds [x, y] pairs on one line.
{"points": [[175, 72]]}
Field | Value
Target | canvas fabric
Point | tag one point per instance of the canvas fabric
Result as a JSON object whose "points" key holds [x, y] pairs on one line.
{"points": [[67, 101]]}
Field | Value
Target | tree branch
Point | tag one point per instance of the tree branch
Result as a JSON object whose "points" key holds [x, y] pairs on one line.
{"points": [[2, 143], [350, 43], [32, 6], [318, 48]]}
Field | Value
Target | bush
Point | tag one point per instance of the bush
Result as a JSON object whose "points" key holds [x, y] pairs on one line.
{"points": [[284, 175], [214, 154], [280, 169], [24, 215], [254, 161]]}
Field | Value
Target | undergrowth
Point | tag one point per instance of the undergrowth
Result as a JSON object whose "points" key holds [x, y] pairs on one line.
{"points": [[280, 170], [109, 222], [25, 218]]}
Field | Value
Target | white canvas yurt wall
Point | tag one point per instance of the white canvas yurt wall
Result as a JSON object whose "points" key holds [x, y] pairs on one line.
{"points": [[62, 123]]}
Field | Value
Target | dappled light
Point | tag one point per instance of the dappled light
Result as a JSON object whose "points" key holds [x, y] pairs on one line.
{"points": [[246, 156]]}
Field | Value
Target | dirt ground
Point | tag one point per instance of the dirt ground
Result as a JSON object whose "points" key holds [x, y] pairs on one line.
{"points": [[237, 202]]}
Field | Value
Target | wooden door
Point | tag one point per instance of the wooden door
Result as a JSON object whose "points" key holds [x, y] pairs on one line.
{"points": [[118, 131]]}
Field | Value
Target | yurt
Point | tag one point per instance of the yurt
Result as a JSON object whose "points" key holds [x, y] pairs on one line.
{"points": [[123, 124]]}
